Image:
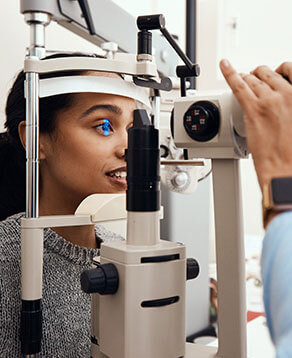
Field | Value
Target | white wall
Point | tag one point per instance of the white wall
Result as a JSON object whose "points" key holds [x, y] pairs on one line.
{"points": [[248, 32], [174, 13], [262, 35]]}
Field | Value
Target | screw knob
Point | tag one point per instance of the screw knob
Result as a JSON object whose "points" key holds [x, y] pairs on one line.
{"points": [[180, 179], [193, 269], [103, 280], [109, 46]]}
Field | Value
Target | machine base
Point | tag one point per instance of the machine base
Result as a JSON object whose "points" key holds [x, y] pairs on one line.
{"points": [[192, 351], [95, 352]]}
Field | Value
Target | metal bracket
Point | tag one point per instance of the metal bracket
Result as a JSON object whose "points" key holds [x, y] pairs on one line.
{"points": [[164, 85]]}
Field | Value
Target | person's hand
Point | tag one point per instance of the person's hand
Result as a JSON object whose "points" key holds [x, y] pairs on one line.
{"points": [[266, 99]]}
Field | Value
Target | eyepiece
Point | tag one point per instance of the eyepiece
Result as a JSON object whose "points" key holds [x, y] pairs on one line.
{"points": [[143, 165]]}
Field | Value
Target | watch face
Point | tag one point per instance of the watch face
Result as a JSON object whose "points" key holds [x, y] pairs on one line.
{"points": [[282, 191]]}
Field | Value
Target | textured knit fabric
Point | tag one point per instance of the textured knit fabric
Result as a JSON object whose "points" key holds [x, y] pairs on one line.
{"points": [[66, 309], [277, 275]]}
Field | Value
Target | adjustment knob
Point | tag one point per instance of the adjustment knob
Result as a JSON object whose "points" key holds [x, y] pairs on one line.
{"points": [[164, 151], [193, 269], [202, 121], [109, 46], [103, 280], [180, 180], [110, 49]]}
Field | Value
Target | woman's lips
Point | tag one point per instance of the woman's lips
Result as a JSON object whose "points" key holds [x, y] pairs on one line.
{"points": [[117, 177], [121, 182]]}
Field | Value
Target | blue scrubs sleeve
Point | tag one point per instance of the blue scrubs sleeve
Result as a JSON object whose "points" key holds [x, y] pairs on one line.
{"points": [[276, 265]]}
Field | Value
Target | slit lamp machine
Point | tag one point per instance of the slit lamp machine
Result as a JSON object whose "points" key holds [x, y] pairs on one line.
{"points": [[138, 286]]}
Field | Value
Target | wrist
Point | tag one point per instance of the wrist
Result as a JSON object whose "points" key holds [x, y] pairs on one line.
{"points": [[269, 215], [267, 169], [277, 198], [266, 176]]}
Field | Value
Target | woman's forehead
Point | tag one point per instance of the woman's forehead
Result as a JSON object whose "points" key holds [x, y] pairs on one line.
{"points": [[102, 74]]}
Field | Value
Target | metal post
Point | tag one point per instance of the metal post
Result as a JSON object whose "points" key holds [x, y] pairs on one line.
{"points": [[230, 259], [31, 242], [156, 110], [32, 146], [37, 23]]}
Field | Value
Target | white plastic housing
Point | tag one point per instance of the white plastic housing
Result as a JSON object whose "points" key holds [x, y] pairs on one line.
{"points": [[228, 143], [122, 63], [157, 332]]}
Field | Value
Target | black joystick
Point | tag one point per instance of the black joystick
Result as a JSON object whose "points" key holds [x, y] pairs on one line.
{"points": [[103, 280]]}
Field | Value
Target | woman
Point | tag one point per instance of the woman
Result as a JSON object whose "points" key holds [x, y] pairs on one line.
{"points": [[83, 138]]}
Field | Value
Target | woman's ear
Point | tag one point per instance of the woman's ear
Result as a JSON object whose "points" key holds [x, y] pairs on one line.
{"points": [[22, 137], [21, 132]]}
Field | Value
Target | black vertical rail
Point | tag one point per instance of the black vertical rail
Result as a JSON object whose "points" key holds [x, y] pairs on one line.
{"points": [[191, 28]]}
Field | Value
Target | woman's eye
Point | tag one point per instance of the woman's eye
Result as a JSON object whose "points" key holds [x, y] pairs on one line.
{"points": [[104, 128]]}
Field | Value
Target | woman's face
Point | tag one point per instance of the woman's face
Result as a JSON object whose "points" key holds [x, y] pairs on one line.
{"points": [[85, 155]]}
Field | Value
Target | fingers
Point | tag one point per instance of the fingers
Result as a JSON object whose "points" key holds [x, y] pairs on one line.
{"points": [[240, 88], [260, 88], [286, 70], [273, 79]]}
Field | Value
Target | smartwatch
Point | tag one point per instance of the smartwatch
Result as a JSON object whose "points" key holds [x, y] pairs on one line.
{"points": [[277, 196]]}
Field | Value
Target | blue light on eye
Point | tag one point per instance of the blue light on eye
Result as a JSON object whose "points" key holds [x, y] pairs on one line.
{"points": [[106, 127]]}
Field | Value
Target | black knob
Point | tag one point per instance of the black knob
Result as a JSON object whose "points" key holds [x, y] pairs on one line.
{"points": [[103, 280], [193, 269], [164, 151], [151, 22], [185, 71], [202, 121]]}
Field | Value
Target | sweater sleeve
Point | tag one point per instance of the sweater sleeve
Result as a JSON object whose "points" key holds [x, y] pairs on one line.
{"points": [[276, 264]]}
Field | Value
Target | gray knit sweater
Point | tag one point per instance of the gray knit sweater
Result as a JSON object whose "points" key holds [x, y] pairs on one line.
{"points": [[66, 309]]}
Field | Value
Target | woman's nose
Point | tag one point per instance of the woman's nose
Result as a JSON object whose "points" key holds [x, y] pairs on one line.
{"points": [[122, 145]]}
